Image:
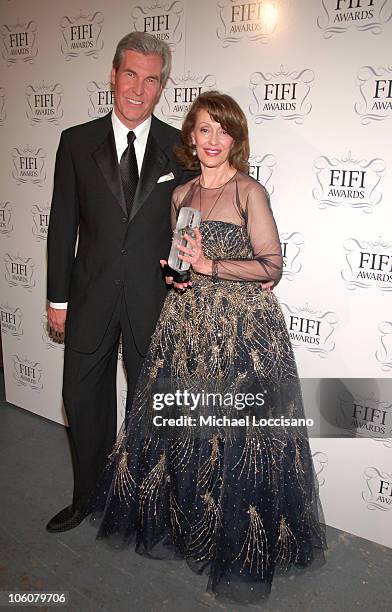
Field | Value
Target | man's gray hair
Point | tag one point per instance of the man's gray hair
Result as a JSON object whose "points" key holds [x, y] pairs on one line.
{"points": [[148, 45]]}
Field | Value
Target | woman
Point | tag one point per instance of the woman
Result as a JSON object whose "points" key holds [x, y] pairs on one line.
{"points": [[236, 498]]}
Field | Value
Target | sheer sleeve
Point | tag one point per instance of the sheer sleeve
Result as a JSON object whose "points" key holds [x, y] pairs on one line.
{"points": [[179, 200], [174, 209], [267, 259]]}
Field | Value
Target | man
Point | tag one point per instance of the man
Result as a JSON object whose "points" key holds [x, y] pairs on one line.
{"points": [[112, 189]]}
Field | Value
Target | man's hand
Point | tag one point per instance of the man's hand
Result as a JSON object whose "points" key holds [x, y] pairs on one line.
{"points": [[268, 286], [169, 279], [56, 318]]}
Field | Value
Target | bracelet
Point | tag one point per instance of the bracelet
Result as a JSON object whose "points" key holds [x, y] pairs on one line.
{"points": [[214, 274]]}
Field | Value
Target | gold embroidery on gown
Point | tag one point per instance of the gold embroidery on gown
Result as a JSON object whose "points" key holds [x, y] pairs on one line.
{"points": [[241, 503]]}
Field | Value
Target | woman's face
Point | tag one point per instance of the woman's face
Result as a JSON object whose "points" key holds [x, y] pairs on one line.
{"points": [[213, 143]]}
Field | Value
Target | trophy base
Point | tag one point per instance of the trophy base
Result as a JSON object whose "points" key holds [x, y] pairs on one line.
{"points": [[178, 277]]}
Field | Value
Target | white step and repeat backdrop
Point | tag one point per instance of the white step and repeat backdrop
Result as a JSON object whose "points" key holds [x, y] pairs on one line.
{"points": [[315, 80]]}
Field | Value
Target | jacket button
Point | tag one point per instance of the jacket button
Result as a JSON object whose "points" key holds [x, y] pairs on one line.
{"points": [[124, 220], [117, 282], [124, 251]]}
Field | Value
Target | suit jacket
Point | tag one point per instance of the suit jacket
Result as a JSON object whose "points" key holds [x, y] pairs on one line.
{"points": [[115, 253]]}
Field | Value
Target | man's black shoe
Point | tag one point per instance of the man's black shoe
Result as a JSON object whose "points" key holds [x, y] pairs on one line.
{"points": [[66, 519]]}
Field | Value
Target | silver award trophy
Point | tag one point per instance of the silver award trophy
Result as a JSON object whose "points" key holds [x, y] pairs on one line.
{"points": [[188, 219]]}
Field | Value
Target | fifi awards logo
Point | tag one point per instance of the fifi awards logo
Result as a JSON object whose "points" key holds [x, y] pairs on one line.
{"points": [[261, 168], [292, 245], [101, 98], [383, 353], [375, 94], [364, 416], [40, 217], [252, 21], [377, 493], [81, 35], [320, 462], [281, 95], [3, 113], [19, 42], [164, 20], [29, 165], [11, 318], [6, 225], [180, 92], [338, 16], [368, 264], [27, 373], [312, 330], [349, 182], [19, 271], [44, 103]]}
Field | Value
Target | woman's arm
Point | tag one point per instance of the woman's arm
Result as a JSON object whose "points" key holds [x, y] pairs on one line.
{"points": [[267, 261]]}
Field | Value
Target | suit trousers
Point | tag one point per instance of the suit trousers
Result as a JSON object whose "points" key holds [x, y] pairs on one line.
{"points": [[90, 400]]}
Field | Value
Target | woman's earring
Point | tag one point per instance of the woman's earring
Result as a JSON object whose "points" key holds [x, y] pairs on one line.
{"points": [[193, 149]]}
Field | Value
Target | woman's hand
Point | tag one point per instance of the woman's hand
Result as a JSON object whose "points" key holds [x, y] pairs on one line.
{"points": [[194, 255]]}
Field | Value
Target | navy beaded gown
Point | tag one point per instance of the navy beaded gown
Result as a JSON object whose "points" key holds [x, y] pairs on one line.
{"points": [[238, 500]]}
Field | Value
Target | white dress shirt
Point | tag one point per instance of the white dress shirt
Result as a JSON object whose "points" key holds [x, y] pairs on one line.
{"points": [[120, 131]]}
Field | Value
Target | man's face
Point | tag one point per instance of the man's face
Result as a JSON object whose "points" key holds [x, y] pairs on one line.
{"points": [[136, 86]]}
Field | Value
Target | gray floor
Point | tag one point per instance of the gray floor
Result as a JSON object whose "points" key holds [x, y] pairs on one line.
{"points": [[36, 482]]}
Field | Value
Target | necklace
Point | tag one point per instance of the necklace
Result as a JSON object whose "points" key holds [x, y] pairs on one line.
{"points": [[222, 188]]}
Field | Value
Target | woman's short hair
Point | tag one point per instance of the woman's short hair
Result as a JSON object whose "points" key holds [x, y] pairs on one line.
{"points": [[224, 110], [146, 44]]}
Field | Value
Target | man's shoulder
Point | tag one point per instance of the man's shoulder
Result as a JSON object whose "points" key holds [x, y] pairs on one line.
{"points": [[164, 132], [89, 127]]}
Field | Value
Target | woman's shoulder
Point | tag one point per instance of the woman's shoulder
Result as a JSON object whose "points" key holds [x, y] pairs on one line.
{"points": [[249, 186], [181, 190]]}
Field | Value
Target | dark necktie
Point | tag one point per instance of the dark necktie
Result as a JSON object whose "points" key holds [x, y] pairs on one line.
{"points": [[129, 172]]}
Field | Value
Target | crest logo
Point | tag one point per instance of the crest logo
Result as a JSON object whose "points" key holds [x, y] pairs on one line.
{"points": [[253, 21], [261, 168], [44, 103], [377, 493], [29, 165], [164, 20], [320, 461], [3, 114], [11, 320], [291, 244], [27, 373], [6, 225], [40, 221], [384, 352], [123, 402], [81, 35], [375, 89], [101, 99], [179, 94], [338, 16], [281, 95], [311, 329], [19, 272], [19, 42], [369, 264], [364, 417], [348, 182]]}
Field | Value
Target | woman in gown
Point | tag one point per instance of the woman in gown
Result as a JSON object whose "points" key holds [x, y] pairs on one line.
{"points": [[236, 499]]}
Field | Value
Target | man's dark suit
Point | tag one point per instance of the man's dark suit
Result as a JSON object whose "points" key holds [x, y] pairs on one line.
{"points": [[114, 283]]}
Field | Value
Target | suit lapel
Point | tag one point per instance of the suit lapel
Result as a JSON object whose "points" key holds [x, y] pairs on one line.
{"points": [[106, 158], [154, 163]]}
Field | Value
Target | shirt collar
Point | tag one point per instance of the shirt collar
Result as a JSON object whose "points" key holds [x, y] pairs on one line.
{"points": [[141, 131]]}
